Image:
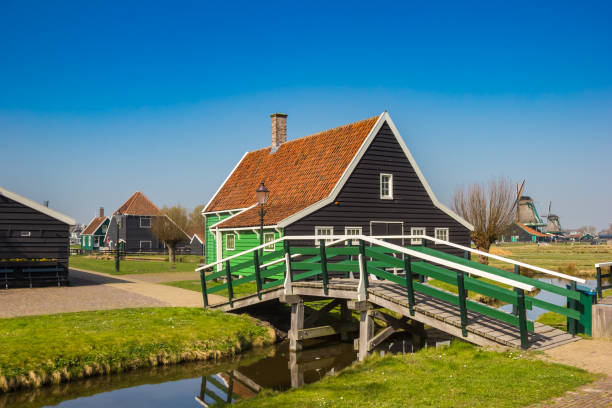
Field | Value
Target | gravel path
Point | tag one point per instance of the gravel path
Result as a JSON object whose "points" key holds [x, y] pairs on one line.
{"points": [[96, 291]]}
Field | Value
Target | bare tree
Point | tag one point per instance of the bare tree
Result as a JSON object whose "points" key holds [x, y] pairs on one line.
{"points": [[588, 229], [170, 228], [196, 220], [489, 207]]}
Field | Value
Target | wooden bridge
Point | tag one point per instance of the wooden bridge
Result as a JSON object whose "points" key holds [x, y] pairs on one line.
{"points": [[381, 280]]}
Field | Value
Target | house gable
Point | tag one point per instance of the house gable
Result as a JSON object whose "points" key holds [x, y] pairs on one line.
{"points": [[358, 202]]}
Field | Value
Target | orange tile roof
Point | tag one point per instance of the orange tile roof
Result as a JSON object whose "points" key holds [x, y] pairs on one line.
{"points": [[200, 236], [138, 204], [531, 230], [93, 225], [300, 173]]}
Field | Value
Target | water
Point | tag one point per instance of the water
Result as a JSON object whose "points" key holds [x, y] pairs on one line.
{"points": [[549, 297], [230, 380]]}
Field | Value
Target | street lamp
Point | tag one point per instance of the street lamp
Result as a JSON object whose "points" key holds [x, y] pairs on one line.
{"points": [[262, 197], [118, 222]]}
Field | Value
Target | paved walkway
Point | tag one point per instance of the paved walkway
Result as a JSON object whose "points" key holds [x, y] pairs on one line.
{"points": [[595, 395], [97, 291]]}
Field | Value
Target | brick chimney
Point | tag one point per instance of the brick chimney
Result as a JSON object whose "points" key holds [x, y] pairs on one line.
{"points": [[279, 130], [101, 212]]}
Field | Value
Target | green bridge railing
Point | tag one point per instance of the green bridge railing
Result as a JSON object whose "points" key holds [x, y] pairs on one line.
{"points": [[408, 267]]}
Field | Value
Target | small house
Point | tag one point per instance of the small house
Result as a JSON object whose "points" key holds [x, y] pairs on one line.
{"points": [[518, 232], [94, 236], [34, 242], [197, 244], [135, 232], [359, 178]]}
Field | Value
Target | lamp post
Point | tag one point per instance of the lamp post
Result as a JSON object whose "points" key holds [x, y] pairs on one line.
{"points": [[262, 197], [118, 221]]}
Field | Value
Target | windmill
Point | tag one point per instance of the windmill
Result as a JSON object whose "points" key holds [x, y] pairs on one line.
{"points": [[526, 212], [553, 226]]}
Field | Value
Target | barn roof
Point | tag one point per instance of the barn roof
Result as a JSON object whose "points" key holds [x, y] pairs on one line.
{"points": [[93, 225], [139, 204], [531, 230], [36, 206], [302, 175]]}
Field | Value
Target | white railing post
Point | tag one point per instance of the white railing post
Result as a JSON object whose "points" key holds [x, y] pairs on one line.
{"points": [[288, 283], [361, 289]]}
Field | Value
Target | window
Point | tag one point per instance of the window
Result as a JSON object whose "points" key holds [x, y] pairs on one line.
{"points": [[230, 242], [324, 231], [25, 233], [146, 245], [386, 186], [104, 229], [441, 233], [353, 231], [268, 237], [417, 231], [145, 222]]}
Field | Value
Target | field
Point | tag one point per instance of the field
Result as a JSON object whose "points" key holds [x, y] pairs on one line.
{"points": [[41, 349], [107, 265], [458, 376], [573, 259]]}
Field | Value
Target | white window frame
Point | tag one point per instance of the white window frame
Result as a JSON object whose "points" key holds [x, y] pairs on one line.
{"points": [[227, 247], [444, 230], [25, 234], [150, 246], [145, 218], [388, 196], [417, 231], [355, 231], [318, 230], [271, 247]]}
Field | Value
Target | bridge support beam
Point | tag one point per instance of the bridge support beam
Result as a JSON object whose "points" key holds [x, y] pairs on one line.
{"points": [[366, 325], [297, 320]]}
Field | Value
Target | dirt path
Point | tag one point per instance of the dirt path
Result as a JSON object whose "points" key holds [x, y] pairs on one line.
{"points": [[97, 291]]}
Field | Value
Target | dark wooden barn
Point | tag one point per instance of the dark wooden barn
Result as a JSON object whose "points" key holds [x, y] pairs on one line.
{"points": [[518, 232], [34, 243]]}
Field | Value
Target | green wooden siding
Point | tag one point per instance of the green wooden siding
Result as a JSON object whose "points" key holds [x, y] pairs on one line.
{"points": [[246, 241], [87, 241], [211, 247]]}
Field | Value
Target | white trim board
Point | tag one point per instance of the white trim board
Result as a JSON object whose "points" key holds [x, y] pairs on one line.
{"points": [[36, 206], [382, 119], [195, 237]]}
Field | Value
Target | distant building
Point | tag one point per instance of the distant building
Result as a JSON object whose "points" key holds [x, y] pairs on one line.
{"points": [[197, 244], [518, 232], [75, 233], [94, 236], [527, 214]]}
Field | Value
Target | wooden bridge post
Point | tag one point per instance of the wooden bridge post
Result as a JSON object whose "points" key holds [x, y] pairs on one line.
{"points": [[362, 288], [599, 289], [297, 321], [288, 285], [522, 315], [517, 270], [324, 266], [345, 318], [204, 294], [230, 289], [572, 324], [462, 302], [366, 326], [297, 375], [257, 273], [423, 278], [409, 283]]}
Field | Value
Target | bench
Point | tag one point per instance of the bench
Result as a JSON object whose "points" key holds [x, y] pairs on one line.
{"points": [[8, 275], [46, 274]]}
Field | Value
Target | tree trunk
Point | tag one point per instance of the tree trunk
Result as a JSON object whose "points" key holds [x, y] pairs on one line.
{"points": [[482, 245], [171, 256]]}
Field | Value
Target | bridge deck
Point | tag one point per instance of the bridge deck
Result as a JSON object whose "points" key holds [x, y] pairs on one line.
{"points": [[482, 330]]}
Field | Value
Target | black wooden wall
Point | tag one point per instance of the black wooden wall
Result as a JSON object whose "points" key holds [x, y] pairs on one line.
{"points": [[49, 238], [359, 201]]}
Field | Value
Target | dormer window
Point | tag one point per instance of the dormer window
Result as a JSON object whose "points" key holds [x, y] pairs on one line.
{"points": [[386, 186]]}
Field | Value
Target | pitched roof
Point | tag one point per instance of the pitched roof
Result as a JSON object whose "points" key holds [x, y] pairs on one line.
{"points": [[300, 173], [138, 204], [531, 230], [36, 206], [199, 236], [93, 225]]}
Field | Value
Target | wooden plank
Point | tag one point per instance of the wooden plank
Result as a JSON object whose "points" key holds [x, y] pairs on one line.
{"points": [[381, 336]]}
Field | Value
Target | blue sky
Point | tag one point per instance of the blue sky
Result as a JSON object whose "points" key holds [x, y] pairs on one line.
{"points": [[100, 99]]}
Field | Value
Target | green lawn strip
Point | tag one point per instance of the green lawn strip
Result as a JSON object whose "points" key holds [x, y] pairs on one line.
{"points": [[239, 291], [42, 349], [458, 376], [471, 294], [607, 292], [129, 267]]}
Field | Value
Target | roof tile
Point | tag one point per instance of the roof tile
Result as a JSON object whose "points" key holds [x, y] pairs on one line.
{"points": [[139, 204]]}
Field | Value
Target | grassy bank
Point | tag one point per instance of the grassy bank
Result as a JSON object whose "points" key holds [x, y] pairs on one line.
{"points": [[560, 322], [128, 267], [46, 349], [573, 259], [458, 376]]}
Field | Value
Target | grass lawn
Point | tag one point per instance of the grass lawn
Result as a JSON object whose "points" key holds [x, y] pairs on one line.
{"points": [[557, 321], [458, 376], [42, 349], [573, 259], [128, 267], [239, 291]]}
